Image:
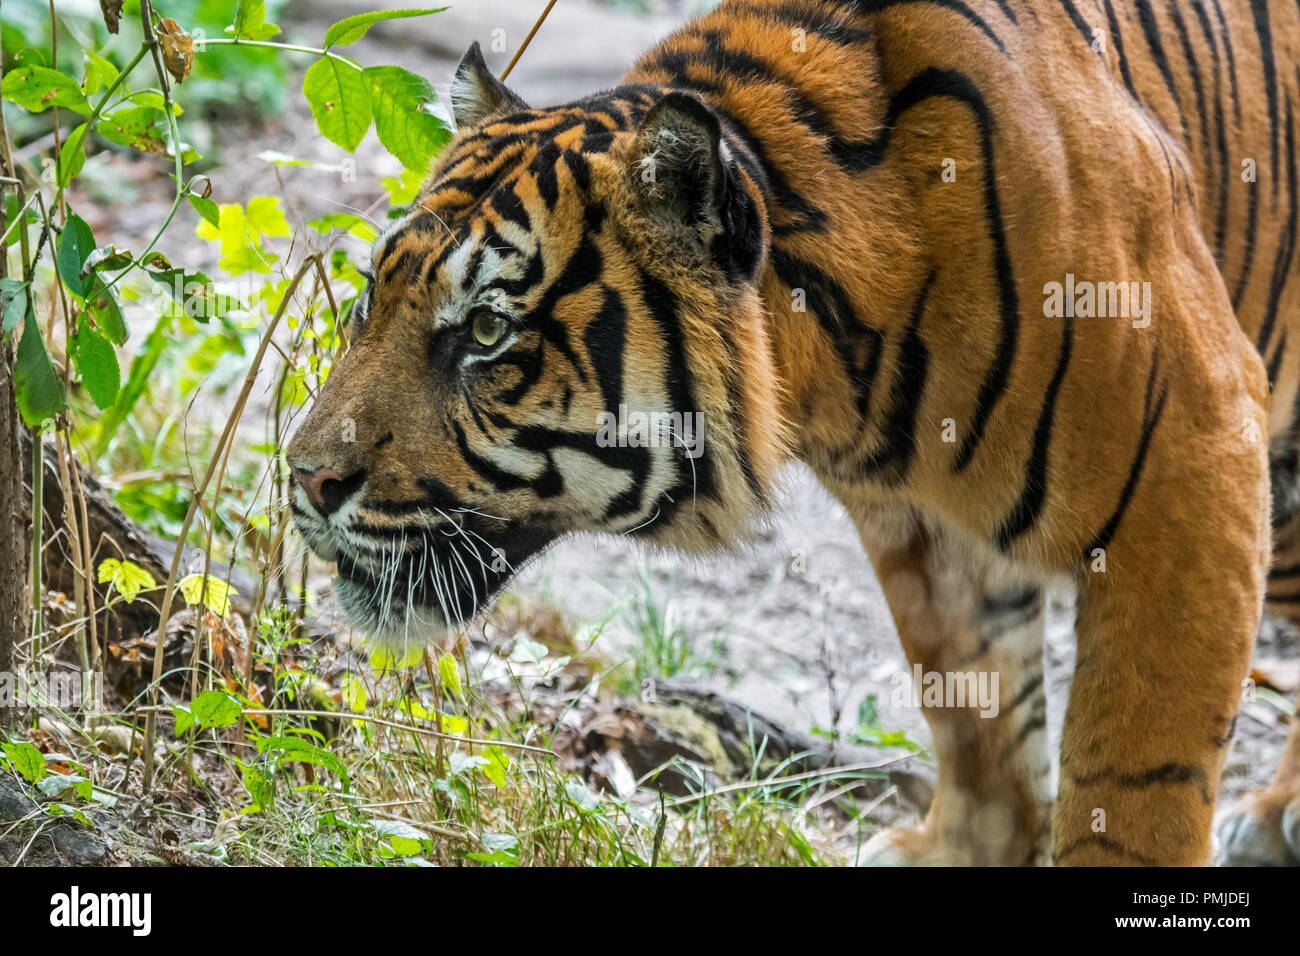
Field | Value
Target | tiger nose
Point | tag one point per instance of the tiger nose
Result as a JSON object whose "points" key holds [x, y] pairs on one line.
{"points": [[326, 489]]}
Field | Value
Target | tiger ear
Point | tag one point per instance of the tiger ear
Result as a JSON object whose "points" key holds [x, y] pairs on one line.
{"points": [[679, 159], [476, 93]]}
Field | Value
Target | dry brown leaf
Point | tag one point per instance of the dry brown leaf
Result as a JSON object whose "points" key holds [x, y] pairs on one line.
{"points": [[178, 49], [112, 13]]}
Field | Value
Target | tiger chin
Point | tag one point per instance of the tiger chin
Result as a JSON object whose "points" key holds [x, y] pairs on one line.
{"points": [[825, 230]]}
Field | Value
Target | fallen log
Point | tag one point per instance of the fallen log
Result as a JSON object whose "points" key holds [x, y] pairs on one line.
{"points": [[631, 739]]}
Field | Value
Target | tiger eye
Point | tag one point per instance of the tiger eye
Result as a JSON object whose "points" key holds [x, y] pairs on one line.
{"points": [[488, 328]]}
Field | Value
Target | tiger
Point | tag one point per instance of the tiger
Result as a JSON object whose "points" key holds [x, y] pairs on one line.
{"points": [[1015, 279]]}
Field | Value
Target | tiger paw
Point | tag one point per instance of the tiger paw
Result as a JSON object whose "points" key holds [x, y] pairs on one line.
{"points": [[1262, 829], [897, 846]]}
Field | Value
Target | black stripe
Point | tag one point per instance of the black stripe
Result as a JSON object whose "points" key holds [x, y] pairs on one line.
{"points": [[815, 20], [1150, 418], [1027, 690], [1080, 24], [1286, 247], [928, 84], [1221, 132], [1275, 363], [1103, 842], [604, 339], [695, 477], [1252, 231], [1232, 59], [1194, 71], [547, 485], [1166, 774], [1030, 505], [1259, 12], [1286, 571], [744, 66], [1151, 30], [1119, 51], [894, 456], [1015, 601], [858, 346], [1036, 722], [584, 267], [875, 6]]}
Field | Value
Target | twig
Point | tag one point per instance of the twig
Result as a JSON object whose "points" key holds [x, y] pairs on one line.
{"points": [[792, 778], [527, 40]]}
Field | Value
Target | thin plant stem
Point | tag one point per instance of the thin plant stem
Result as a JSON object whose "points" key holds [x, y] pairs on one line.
{"points": [[199, 492]]}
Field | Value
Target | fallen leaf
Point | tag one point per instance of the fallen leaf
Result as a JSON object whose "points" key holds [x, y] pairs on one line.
{"points": [[178, 49]]}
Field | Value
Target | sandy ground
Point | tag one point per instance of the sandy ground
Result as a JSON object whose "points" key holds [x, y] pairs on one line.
{"points": [[807, 647]]}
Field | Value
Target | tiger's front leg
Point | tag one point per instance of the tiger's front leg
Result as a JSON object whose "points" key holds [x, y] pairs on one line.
{"points": [[971, 628], [1165, 630]]}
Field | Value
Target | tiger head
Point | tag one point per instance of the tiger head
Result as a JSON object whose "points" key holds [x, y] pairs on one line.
{"points": [[562, 335]]}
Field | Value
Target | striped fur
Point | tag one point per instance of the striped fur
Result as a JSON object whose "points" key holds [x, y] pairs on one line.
{"points": [[833, 230]]}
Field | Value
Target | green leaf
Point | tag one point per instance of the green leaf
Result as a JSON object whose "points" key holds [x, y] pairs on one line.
{"points": [[57, 784], [297, 750], [250, 22], [26, 760], [405, 839], [76, 243], [40, 392], [449, 674], [72, 155], [103, 306], [381, 661], [354, 694], [196, 294], [137, 380], [495, 858], [214, 708], [497, 765], [265, 216], [357, 225], [100, 72], [37, 88], [397, 97], [339, 100], [107, 257], [216, 597], [206, 208], [240, 232], [126, 578], [140, 127], [353, 28], [403, 189], [528, 651], [13, 302], [97, 363], [184, 719], [260, 789]]}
